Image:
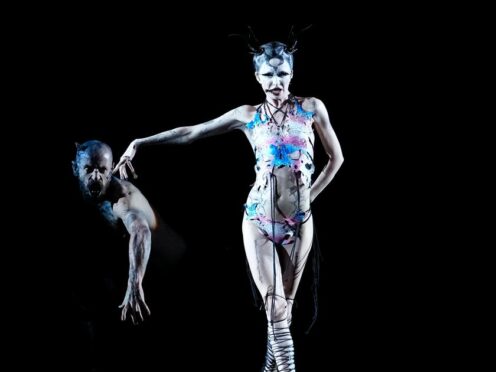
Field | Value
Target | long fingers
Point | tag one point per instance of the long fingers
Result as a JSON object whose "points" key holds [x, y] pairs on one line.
{"points": [[131, 168], [118, 166], [142, 299], [124, 312], [123, 172], [135, 305], [138, 310], [147, 308], [124, 162]]}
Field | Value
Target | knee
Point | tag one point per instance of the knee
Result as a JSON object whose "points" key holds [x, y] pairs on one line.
{"points": [[289, 310], [276, 307]]}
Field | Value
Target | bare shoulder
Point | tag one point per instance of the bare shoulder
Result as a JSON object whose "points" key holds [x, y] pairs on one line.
{"points": [[311, 104], [129, 188], [124, 188], [130, 196], [245, 113], [129, 199]]}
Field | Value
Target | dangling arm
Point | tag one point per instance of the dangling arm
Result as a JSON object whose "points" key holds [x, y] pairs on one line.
{"points": [[138, 218], [331, 146], [185, 135], [139, 252]]}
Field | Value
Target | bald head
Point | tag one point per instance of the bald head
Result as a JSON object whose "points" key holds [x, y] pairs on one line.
{"points": [[94, 149], [93, 168]]}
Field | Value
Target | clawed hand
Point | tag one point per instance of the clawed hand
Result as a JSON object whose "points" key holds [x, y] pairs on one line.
{"points": [[121, 167], [134, 301], [126, 161]]}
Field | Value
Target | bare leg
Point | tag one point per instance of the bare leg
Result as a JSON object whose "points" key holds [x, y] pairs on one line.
{"points": [[293, 269], [264, 263]]}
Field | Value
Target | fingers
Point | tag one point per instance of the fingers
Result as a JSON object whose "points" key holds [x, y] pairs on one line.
{"points": [[131, 168], [124, 162], [124, 312], [138, 310], [118, 166], [123, 172], [142, 299], [147, 308]]}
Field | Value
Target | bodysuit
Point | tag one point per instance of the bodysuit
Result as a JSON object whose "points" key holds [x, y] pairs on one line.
{"points": [[279, 201]]}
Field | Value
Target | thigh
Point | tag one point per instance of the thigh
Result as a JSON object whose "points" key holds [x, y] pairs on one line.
{"points": [[294, 257], [263, 260]]}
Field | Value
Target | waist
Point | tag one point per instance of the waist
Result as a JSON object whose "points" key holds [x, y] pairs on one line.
{"points": [[282, 190], [283, 177]]}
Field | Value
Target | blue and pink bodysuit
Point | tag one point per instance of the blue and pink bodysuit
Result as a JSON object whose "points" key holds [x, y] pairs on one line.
{"points": [[279, 201]]}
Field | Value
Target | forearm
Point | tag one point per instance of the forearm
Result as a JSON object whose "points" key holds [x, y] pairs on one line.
{"points": [[176, 136], [139, 252], [185, 135], [326, 176]]}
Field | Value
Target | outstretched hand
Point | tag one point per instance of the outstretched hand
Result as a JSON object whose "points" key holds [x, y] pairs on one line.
{"points": [[125, 161], [134, 302]]}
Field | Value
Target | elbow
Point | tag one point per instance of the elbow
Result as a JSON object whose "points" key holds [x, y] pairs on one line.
{"points": [[337, 159]]}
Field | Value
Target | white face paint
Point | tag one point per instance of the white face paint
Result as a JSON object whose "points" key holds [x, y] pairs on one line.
{"points": [[274, 77]]}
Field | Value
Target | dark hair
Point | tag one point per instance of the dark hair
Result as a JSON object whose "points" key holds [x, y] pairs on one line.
{"points": [[273, 49]]}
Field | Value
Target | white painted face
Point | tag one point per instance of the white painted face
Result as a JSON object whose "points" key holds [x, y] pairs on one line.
{"points": [[274, 77]]}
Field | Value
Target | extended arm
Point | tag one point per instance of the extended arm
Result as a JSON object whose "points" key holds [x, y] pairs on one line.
{"points": [[331, 146], [186, 135], [139, 252]]}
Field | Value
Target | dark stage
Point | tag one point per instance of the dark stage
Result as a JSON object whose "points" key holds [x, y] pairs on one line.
{"points": [[115, 82]]}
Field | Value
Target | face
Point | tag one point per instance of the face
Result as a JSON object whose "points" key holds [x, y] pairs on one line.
{"points": [[274, 76], [93, 168]]}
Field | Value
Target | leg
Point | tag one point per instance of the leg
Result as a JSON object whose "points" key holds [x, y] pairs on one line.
{"points": [[260, 255], [264, 263], [293, 269]]}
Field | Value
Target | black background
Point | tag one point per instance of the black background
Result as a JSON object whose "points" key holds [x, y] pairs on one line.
{"points": [[119, 78]]}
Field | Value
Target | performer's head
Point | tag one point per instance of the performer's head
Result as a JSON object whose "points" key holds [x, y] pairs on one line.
{"points": [[274, 69], [93, 168]]}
